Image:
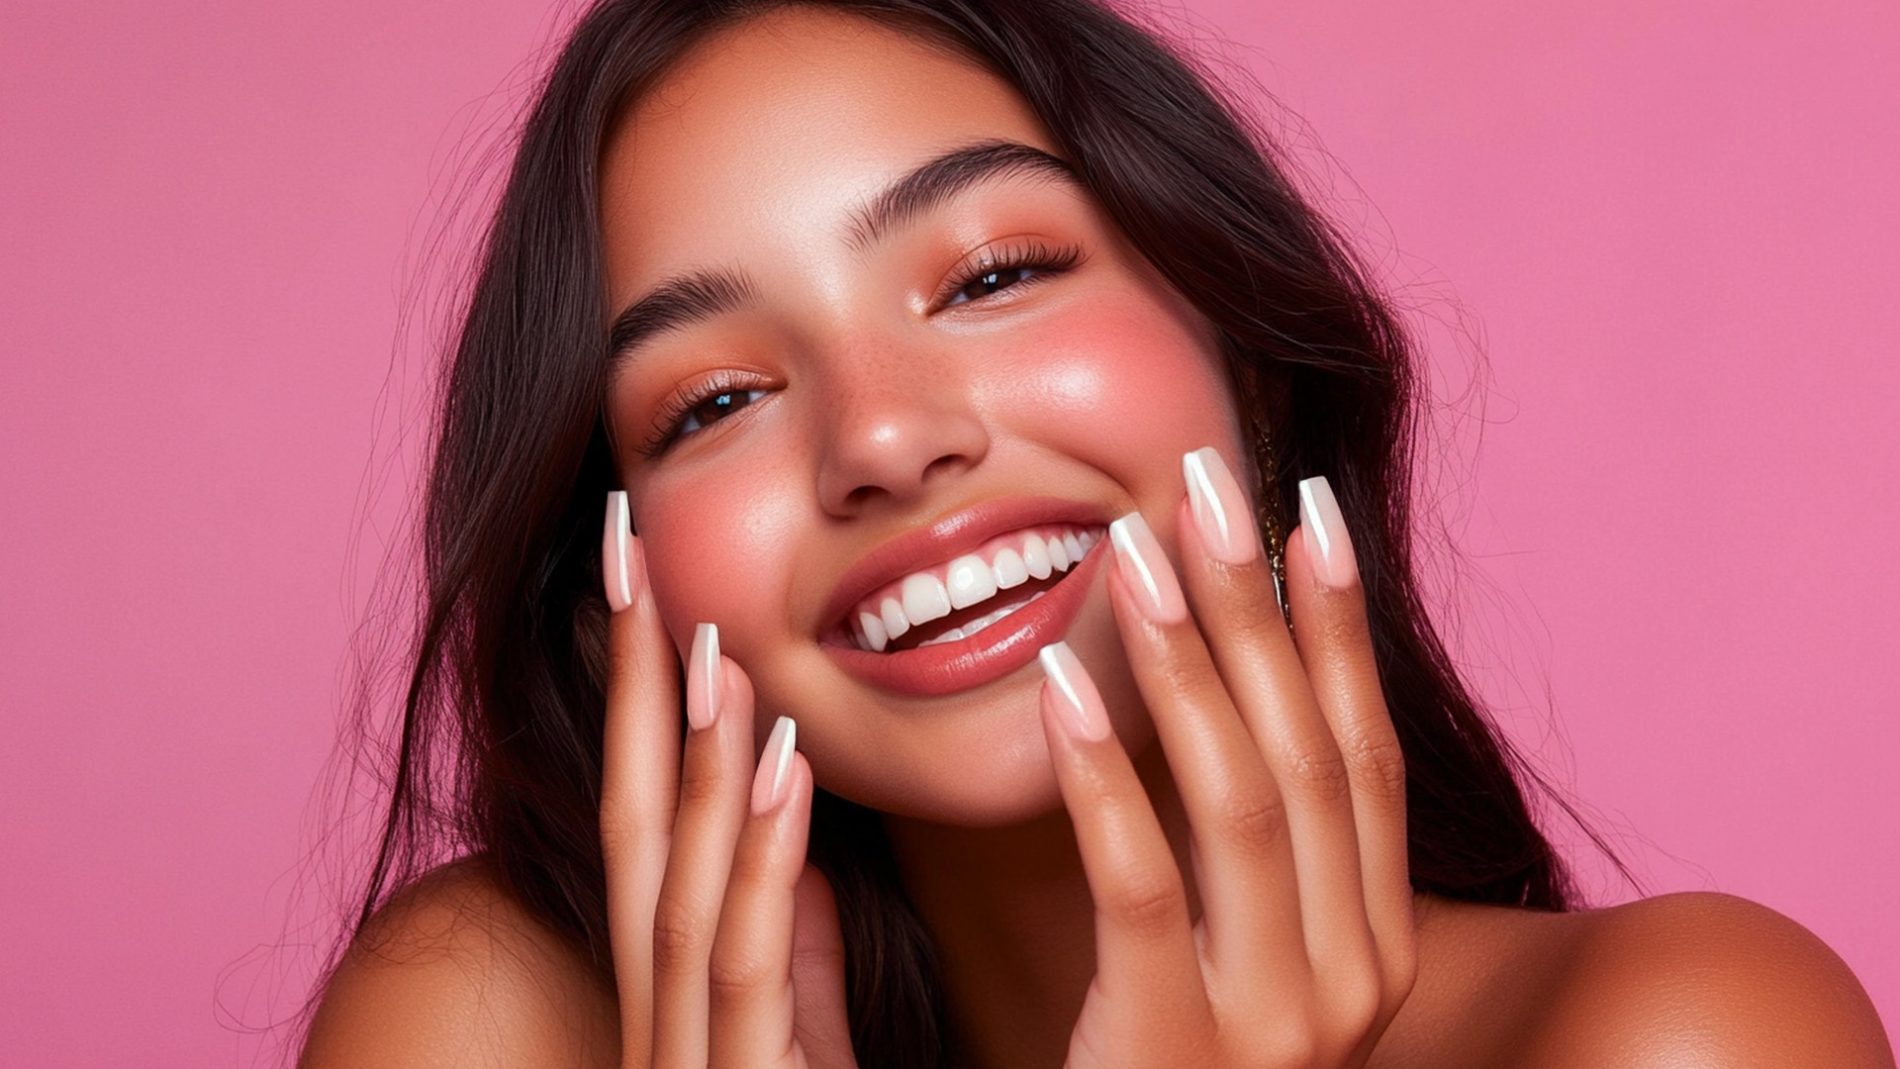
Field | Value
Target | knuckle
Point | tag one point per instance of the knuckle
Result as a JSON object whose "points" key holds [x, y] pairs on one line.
{"points": [[700, 785], [736, 972], [752, 865], [1254, 820], [1379, 764], [682, 937], [1252, 625], [622, 830], [1343, 620], [1147, 903], [1318, 771], [1185, 679]]}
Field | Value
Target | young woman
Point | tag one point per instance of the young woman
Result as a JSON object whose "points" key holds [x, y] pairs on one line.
{"points": [[1003, 648]]}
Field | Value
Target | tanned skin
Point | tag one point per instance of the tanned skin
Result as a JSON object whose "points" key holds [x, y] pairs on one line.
{"points": [[752, 152]]}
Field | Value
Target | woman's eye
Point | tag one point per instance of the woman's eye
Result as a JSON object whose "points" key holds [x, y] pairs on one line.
{"points": [[1013, 268], [990, 281], [698, 408], [715, 408]]}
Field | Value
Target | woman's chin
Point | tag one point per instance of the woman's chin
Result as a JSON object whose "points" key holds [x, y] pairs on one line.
{"points": [[988, 779]]}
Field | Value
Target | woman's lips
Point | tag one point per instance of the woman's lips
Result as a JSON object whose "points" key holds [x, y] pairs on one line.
{"points": [[994, 652]]}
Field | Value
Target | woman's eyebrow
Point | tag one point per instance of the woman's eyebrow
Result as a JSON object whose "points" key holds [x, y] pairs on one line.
{"points": [[939, 179], [693, 296]]}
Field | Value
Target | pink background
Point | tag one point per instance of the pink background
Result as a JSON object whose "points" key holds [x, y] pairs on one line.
{"points": [[1669, 228]]}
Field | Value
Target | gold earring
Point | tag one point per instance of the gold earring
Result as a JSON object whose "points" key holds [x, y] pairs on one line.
{"points": [[1268, 506]]}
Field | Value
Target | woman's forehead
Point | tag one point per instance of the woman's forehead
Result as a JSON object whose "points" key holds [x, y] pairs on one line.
{"points": [[780, 126]]}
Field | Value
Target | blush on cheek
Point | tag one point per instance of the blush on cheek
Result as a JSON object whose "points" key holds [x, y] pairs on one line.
{"points": [[713, 539], [1120, 384]]}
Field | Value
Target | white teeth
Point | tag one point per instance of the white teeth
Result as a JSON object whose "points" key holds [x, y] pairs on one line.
{"points": [[1058, 554], [968, 581], [1036, 557], [971, 581], [981, 622], [1009, 570], [948, 636], [873, 632], [1073, 543], [895, 622], [971, 627], [925, 599]]}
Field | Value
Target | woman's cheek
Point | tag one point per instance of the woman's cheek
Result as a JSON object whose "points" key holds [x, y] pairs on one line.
{"points": [[1116, 383], [712, 533]]}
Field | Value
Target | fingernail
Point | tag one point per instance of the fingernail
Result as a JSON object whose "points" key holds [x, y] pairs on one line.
{"points": [[1147, 570], [616, 552], [702, 678], [768, 783], [1076, 698], [1326, 539], [1219, 508]]}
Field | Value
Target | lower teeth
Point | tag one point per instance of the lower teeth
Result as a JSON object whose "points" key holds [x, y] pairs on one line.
{"points": [[979, 623]]}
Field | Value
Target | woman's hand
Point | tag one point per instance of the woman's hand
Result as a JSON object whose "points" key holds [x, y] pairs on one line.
{"points": [[1289, 772], [726, 944]]}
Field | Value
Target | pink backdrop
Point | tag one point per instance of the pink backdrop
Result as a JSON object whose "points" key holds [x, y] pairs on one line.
{"points": [[1670, 228]]}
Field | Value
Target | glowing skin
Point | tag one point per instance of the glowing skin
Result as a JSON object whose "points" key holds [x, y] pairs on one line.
{"points": [[884, 409], [878, 410], [881, 410]]}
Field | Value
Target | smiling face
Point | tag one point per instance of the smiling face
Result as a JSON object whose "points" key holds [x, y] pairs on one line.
{"points": [[856, 403]]}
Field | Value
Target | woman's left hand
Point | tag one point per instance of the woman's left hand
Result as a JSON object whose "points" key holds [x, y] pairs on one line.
{"points": [[1289, 772]]}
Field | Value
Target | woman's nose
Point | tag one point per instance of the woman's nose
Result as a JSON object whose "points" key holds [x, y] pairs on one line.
{"points": [[897, 438]]}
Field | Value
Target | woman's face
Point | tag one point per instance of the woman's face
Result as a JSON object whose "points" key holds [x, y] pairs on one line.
{"points": [[882, 404]]}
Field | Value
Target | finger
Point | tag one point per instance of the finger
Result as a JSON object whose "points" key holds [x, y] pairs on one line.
{"points": [[821, 1018], [715, 769], [1146, 960], [1230, 585], [1237, 819], [1329, 619], [752, 1001], [640, 765]]}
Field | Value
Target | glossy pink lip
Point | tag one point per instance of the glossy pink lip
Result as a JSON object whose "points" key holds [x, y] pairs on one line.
{"points": [[955, 534], [994, 652]]}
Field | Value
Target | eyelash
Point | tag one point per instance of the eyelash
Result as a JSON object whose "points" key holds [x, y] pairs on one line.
{"points": [[1043, 259], [1036, 256]]}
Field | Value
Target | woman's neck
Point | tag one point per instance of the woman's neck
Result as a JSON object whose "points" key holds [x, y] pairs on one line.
{"points": [[1009, 911]]}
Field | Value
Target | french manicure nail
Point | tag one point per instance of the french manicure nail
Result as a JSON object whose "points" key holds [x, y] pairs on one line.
{"points": [[1079, 703], [702, 678], [768, 783], [1219, 508], [1147, 569], [616, 552], [1326, 540]]}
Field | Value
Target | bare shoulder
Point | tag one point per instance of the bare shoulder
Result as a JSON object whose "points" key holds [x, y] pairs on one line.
{"points": [[1693, 979], [1700, 979], [454, 971]]}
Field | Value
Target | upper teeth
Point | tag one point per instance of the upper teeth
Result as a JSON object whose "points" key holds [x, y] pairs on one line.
{"points": [[1001, 563]]}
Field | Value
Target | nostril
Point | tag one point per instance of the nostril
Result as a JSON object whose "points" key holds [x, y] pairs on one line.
{"points": [[944, 465]]}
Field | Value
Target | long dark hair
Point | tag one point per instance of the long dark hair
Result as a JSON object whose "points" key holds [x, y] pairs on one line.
{"points": [[500, 746]]}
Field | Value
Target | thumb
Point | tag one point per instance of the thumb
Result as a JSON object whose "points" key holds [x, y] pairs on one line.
{"points": [[820, 1019]]}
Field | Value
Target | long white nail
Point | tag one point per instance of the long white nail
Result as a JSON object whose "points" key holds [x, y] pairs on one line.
{"points": [[1326, 539], [1077, 701], [768, 783], [702, 678], [1147, 570], [616, 552], [1219, 508]]}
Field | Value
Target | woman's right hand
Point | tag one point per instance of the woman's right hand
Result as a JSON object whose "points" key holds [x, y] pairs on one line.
{"points": [[726, 944]]}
